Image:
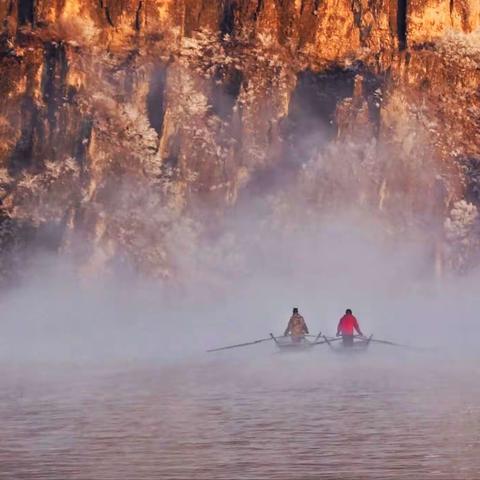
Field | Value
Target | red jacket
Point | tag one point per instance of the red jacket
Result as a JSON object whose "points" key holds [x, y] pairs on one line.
{"points": [[347, 324]]}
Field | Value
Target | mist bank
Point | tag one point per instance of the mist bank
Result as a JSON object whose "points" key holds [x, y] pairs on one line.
{"points": [[240, 287]]}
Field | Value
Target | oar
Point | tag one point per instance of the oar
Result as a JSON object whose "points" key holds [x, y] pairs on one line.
{"points": [[317, 337], [332, 339], [329, 341], [393, 344], [240, 345], [274, 338], [388, 342]]}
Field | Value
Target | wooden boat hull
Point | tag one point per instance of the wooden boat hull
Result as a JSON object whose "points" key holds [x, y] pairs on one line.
{"points": [[360, 345], [287, 344]]}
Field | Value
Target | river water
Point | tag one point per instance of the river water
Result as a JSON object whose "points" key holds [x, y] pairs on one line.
{"points": [[233, 416]]}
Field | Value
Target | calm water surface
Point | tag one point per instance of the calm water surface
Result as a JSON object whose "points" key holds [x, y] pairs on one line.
{"points": [[297, 416]]}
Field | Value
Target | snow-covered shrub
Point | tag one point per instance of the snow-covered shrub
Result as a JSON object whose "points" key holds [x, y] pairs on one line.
{"points": [[462, 234]]}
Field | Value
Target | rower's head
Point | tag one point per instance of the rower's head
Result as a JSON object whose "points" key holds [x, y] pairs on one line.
{"points": [[348, 311], [295, 310]]}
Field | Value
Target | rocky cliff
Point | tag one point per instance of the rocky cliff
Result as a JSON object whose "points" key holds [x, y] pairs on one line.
{"points": [[129, 126]]}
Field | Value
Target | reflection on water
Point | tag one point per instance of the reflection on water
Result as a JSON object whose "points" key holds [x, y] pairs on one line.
{"points": [[300, 416]]}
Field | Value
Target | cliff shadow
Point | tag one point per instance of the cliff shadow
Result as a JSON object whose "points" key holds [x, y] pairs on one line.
{"points": [[471, 170], [21, 242], [156, 99], [311, 123], [226, 87], [26, 12]]}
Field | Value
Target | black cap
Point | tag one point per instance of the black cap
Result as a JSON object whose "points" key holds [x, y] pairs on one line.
{"points": [[295, 309]]}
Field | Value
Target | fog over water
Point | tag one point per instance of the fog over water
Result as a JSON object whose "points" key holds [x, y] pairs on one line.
{"points": [[107, 377], [242, 293]]}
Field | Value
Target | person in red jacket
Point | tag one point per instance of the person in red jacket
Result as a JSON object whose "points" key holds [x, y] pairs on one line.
{"points": [[346, 327]]}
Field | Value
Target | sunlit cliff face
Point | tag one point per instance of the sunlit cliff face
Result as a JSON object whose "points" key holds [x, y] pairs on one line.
{"points": [[132, 132]]}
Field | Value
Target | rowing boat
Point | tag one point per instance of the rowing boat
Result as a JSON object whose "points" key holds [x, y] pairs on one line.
{"points": [[292, 344], [360, 344]]}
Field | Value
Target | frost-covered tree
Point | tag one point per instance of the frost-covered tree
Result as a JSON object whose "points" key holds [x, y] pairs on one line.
{"points": [[462, 233]]}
